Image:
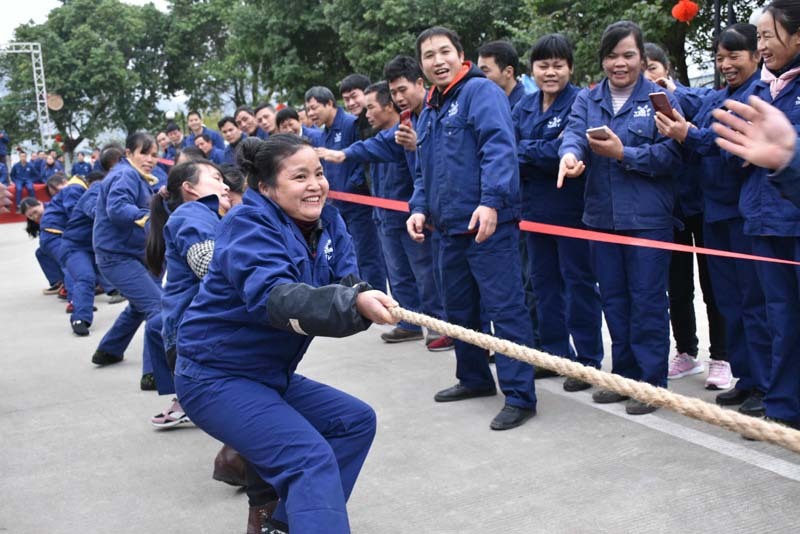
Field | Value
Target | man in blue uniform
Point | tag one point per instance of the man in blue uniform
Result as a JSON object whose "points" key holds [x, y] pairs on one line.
{"points": [[265, 117], [80, 167], [467, 187], [212, 153], [499, 61], [339, 130], [287, 120], [23, 174], [233, 136], [175, 136], [247, 123], [196, 128]]}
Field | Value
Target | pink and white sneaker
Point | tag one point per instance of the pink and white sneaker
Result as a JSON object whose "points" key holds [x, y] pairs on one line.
{"points": [[719, 375], [684, 365], [171, 417]]}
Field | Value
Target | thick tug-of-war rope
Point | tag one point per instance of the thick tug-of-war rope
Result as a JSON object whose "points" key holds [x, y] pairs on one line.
{"points": [[732, 420]]}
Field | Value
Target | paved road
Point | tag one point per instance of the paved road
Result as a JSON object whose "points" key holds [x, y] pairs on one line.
{"points": [[77, 454]]}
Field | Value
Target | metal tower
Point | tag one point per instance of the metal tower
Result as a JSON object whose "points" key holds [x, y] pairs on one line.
{"points": [[35, 50]]}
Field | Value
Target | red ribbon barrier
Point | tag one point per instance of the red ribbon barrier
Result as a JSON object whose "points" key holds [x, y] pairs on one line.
{"points": [[565, 231]]}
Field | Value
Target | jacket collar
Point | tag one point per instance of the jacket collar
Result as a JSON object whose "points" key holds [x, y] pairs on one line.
{"points": [[562, 100], [436, 98], [601, 94]]}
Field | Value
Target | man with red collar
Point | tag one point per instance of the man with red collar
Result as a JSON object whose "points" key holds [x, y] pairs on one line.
{"points": [[467, 188]]}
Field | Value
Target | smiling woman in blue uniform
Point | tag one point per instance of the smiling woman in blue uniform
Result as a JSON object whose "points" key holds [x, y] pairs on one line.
{"points": [[630, 192], [283, 271], [568, 302]]}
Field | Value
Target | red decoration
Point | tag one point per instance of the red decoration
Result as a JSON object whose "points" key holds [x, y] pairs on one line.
{"points": [[685, 10], [58, 138]]}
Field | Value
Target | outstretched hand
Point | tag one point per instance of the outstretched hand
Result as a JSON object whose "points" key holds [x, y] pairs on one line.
{"points": [[374, 305]]}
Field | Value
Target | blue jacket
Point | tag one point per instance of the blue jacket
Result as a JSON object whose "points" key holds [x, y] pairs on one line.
{"points": [[123, 207], [3, 143], [216, 138], [391, 176], [764, 210], [97, 165], [81, 168], [347, 176], [517, 94], [637, 193], [171, 153], [226, 330], [229, 155], [46, 171], [3, 174], [720, 179], [787, 180], [60, 208], [690, 98], [190, 224], [217, 156], [314, 135], [466, 155], [538, 140], [77, 235], [26, 172]]}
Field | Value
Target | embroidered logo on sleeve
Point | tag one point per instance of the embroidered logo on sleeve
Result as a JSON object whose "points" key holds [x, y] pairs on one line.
{"points": [[328, 250], [642, 112]]}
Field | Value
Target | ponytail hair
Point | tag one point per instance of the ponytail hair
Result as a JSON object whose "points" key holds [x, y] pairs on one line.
{"points": [[161, 207], [31, 227], [261, 161]]}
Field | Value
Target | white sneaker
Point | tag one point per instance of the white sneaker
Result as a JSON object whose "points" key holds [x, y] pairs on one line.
{"points": [[719, 375], [684, 365]]}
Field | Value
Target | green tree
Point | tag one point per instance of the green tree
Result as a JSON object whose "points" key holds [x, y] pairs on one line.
{"points": [[105, 58]]}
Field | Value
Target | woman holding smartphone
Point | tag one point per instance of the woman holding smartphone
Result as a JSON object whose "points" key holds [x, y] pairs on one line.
{"points": [[737, 290], [629, 191], [568, 303]]}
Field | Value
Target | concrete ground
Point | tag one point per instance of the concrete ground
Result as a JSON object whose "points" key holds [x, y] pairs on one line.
{"points": [[77, 454]]}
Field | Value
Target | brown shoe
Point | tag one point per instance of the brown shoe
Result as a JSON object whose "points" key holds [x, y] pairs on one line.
{"points": [[229, 467], [259, 516]]}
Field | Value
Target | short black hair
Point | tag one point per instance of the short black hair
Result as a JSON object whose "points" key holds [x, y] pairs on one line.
{"points": [[224, 120], [618, 31], [264, 106], [171, 127], [353, 81], [141, 141], [433, 32], [382, 93], [194, 112], [551, 46], [653, 52], [740, 36], [246, 109], [204, 137], [504, 54], [321, 94], [110, 155], [402, 67], [284, 115]]}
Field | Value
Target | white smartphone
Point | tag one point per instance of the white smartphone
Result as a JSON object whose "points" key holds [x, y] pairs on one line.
{"points": [[600, 133]]}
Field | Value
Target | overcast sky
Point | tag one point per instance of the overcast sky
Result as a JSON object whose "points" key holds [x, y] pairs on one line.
{"points": [[17, 12]]}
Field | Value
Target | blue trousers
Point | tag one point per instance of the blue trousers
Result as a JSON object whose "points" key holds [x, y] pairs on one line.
{"points": [[633, 290], [781, 284], [409, 266], [489, 275], [359, 222], [308, 442], [82, 270], [740, 300], [143, 291], [50, 244], [50, 266], [20, 184], [567, 298]]}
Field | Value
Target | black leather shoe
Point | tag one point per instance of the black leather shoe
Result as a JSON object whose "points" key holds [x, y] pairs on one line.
{"points": [[147, 382], [732, 397], [636, 407], [541, 372], [398, 335], [101, 357], [459, 392], [754, 405], [511, 417], [574, 384], [606, 396]]}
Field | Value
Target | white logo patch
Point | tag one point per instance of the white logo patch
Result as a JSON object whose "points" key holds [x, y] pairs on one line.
{"points": [[453, 109], [337, 137], [642, 112], [328, 250], [555, 122], [797, 102]]}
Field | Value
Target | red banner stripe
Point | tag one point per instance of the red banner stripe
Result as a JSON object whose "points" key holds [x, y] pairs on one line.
{"points": [[564, 231]]}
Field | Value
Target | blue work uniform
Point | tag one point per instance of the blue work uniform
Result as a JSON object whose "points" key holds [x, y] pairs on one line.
{"points": [[314, 135], [787, 180], [349, 178], [216, 156], [4, 141], [229, 155], [633, 197], [409, 265], [737, 290], [81, 168], [774, 224], [23, 175], [47, 171], [216, 138], [239, 347], [466, 157], [566, 292], [123, 207], [4, 174], [516, 94]]}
